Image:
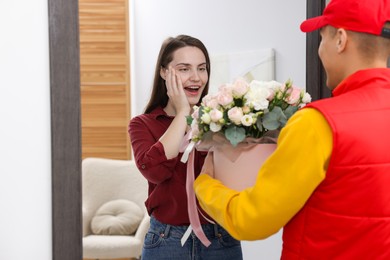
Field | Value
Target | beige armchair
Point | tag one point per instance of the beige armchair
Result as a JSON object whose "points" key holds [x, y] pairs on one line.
{"points": [[115, 220]]}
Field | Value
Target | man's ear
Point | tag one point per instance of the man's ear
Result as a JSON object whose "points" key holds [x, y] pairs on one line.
{"points": [[341, 40], [163, 73]]}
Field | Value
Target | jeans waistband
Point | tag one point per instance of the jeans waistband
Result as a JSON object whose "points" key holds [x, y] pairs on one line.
{"points": [[212, 230]]}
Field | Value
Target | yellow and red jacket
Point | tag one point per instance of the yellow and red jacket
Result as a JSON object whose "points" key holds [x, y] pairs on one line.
{"points": [[331, 197], [348, 215]]}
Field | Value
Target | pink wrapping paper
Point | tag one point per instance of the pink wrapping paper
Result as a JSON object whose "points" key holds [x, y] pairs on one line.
{"points": [[237, 167], [240, 172]]}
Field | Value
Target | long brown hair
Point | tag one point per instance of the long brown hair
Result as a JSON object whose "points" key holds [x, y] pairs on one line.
{"points": [[159, 95]]}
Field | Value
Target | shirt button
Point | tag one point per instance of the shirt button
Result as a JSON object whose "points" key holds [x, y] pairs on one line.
{"points": [[143, 166]]}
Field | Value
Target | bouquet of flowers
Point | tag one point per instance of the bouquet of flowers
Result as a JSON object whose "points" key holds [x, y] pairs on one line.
{"points": [[243, 109], [232, 125]]}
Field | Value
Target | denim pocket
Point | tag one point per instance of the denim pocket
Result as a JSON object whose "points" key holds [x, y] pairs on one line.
{"points": [[152, 239], [226, 240]]}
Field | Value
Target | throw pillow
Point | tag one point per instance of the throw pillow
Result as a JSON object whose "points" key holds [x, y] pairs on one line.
{"points": [[117, 217]]}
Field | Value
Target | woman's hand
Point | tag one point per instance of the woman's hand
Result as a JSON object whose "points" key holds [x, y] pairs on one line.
{"points": [[172, 138], [176, 92]]}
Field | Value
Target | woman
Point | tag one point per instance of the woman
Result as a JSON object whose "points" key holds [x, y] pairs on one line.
{"points": [[180, 81]]}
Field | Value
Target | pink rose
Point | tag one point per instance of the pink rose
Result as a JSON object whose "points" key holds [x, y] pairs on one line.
{"points": [[271, 95], [224, 98], [246, 109], [240, 87], [210, 101], [294, 96], [215, 115], [226, 88], [235, 114]]}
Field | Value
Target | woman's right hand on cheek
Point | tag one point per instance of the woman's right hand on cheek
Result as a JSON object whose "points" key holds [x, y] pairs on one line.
{"points": [[176, 92]]}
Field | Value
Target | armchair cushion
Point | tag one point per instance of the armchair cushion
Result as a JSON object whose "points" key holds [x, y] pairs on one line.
{"points": [[117, 217]]}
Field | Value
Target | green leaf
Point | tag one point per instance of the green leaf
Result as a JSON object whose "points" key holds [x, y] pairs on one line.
{"points": [[189, 120], [274, 119], [205, 128], [259, 124], [290, 111], [201, 112], [238, 102], [282, 120], [225, 116], [235, 134]]}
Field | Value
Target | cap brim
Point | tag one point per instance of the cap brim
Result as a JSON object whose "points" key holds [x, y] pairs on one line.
{"points": [[313, 24]]}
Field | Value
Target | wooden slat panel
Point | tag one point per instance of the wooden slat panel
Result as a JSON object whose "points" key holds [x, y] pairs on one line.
{"points": [[104, 67]]}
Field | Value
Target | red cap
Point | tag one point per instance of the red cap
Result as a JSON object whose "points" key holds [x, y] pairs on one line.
{"points": [[368, 16]]}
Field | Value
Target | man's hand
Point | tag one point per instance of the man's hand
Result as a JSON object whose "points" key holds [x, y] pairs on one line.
{"points": [[208, 166]]}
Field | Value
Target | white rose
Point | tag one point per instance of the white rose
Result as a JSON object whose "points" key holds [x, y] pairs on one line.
{"points": [[272, 85], [257, 97], [306, 98], [214, 127]]}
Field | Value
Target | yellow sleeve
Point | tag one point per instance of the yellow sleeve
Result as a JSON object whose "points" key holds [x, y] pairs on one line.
{"points": [[284, 183]]}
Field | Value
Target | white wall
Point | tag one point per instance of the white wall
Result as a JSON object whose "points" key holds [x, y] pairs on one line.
{"points": [[223, 26], [25, 170]]}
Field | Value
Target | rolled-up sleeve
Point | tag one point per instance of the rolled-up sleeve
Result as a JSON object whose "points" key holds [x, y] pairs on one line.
{"points": [[149, 153]]}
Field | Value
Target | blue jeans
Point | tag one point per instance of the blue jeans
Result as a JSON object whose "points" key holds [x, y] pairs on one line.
{"points": [[163, 242]]}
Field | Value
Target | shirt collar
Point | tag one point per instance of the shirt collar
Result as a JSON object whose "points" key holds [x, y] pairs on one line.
{"points": [[159, 112], [361, 78]]}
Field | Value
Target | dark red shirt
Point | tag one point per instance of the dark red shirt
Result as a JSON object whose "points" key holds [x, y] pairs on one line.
{"points": [[167, 200]]}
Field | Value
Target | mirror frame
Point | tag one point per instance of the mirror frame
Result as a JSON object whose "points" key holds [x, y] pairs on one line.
{"points": [[66, 120], [65, 129]]}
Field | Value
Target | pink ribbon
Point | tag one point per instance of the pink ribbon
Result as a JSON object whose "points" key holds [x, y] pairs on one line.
{"points": [[191, 198], [209, 144]]}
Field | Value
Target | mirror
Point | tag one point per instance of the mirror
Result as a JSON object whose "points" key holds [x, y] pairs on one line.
{"points": [[65, 119]]}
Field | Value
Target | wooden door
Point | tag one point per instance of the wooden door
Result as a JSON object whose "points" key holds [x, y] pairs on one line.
{"points": [[104, 76]]}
